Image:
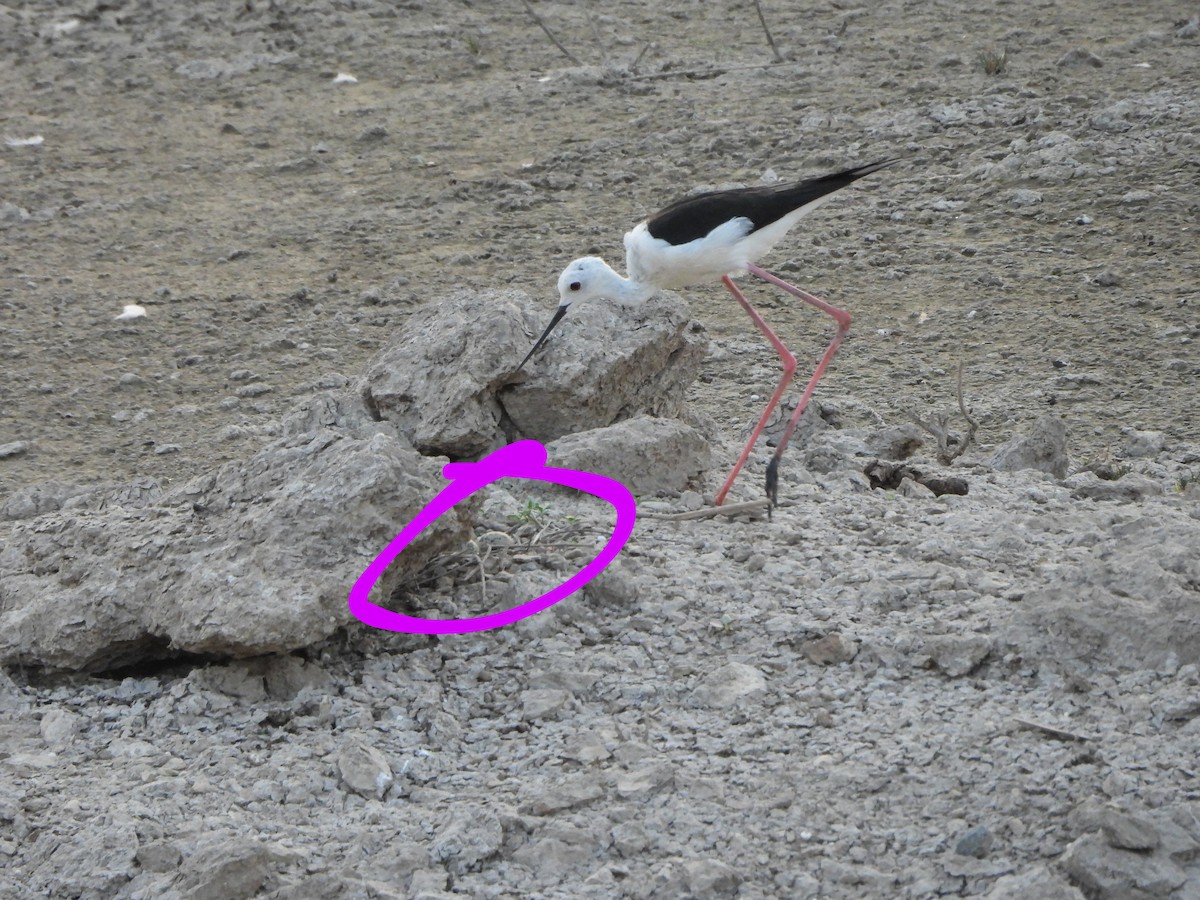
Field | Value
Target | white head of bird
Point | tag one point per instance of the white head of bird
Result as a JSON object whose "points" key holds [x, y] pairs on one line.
{"points": [[590, 277]]}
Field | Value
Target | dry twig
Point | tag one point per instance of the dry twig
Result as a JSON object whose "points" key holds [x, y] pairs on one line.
{"points": [[706, 72], [633, 66], [596, 35], [480, 558], [767, 32], [542, 25], [1059, 733], [940, 428], [709, 512]]}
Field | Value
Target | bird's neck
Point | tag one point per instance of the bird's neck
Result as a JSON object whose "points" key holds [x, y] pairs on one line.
{"points": [[626, 290]]}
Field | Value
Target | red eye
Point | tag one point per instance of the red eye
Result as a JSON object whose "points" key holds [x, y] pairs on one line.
{"points": [[575, 285]]}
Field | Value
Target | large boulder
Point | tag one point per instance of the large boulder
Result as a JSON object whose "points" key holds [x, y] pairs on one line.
{"points": [[255, 557], [451, 385]]}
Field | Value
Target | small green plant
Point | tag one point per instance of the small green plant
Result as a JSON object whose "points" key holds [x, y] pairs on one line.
{"points": [[473, 46], [724, 625], [993, 60], [534, 513]]}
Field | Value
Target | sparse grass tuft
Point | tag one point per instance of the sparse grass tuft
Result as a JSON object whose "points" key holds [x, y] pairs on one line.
{"points": [[1103, 466], [993, 60]]}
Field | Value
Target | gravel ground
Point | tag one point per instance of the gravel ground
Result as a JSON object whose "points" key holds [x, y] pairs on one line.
{"points": [[874, 693]]}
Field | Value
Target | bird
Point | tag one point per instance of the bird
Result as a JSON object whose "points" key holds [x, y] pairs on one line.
{"points": [[710, 236]]}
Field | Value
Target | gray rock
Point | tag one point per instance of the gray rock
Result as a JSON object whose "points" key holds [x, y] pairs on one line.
{"points": [[958, 655], [1128, 831], [227, 866], [285, 676], [710, 878], [542, 703], [1129, 488], [60, 726], [976, 842], [471, 835], [159, 856], [829, 650], [608, 364], [95, 863], [895, 442], [1025, 197], [1043, 448], [1134, 606], [39, 499], [255, 557], [1139, 444], [553, 859], [365, 769], [241, 680], [630, 838], [1078, 56], [645, 780], [1111, 874], [13, 448], [645, 454], [1038, 882], [437, 383], [451, 386], [11, 698], [730, 684], [572, 792], [426, 882]]}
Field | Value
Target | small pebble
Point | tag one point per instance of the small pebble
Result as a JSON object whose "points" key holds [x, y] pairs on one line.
{"points": [[15, 448], [977, 842]]}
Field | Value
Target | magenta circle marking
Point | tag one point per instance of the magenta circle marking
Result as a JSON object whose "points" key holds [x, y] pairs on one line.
{"points": [[524, 459]]}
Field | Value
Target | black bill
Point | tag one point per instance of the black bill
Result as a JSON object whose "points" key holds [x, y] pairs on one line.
{"points": [[562, 311]]}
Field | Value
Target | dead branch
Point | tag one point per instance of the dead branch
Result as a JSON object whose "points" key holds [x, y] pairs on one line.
{"points": [[707, 72], [767, 32], [939, 427], [709, 512], [633, 66], [542, 25], [480, 558], [596, 35], [1053, 732]]}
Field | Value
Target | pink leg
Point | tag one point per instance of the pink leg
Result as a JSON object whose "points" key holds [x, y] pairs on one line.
{"points": [[843, 322], [789, 370]]}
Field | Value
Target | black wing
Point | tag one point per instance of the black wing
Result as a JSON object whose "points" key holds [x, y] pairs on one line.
{"points": [[694, 217]]}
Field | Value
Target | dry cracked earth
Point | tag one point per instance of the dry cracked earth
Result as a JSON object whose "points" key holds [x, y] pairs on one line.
{"points": [[876, 693]]}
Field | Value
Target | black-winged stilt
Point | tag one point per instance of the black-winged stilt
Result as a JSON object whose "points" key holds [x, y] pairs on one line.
{"points": [[710, 236]]}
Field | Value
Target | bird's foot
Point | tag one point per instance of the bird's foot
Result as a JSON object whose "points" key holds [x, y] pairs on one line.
{"points": [[772, 484]]}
